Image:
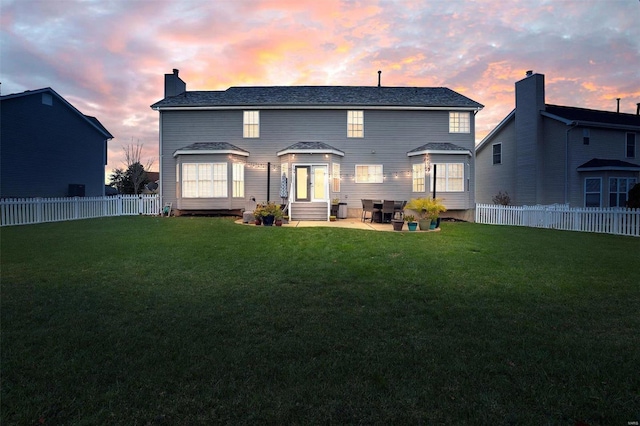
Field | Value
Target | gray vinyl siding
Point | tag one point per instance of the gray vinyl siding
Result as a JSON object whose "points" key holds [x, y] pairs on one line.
{"points": [[388, 136], [604, 143], [528, 133], [493, 178], [47, 147]]}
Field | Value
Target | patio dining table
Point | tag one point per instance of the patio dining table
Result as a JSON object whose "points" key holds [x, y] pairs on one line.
{"points": [[378, 216]]}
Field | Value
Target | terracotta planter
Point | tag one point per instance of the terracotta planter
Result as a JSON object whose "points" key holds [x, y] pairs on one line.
{"points": [[397, 225], [278, 222], [257, 221]]}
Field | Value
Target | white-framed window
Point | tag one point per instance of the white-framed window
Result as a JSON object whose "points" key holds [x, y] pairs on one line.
{"points": [[449, 177], [619, 190], [335, 177], [204, 180], [238, 180], [459, 122], [251, 124], [418, 178], [497, 153], [369, 173], [593, 192], [630, 147], [355, 124]]}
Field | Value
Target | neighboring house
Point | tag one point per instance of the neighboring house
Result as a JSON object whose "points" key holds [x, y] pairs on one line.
{"points": [[219, 150], [48, 148], [547, 154], [153, 183]]}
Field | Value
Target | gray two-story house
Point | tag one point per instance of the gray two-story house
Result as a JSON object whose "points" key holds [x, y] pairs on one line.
{"points": [[550, 154], [48, 148], [308, 145]]}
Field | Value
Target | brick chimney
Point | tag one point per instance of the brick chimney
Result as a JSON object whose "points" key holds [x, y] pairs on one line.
{"points": [[173, 85]]}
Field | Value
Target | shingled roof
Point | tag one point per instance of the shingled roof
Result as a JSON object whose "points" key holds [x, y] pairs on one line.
{"points": [[297, 96], [438, 148], [584, 115], [211, 148], [606, 164]]}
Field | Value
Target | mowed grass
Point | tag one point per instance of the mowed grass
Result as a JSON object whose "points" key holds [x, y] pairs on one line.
{"points": [[145, 320]]}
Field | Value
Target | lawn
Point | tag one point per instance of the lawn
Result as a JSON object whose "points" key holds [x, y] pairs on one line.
{"points": [[145, 320]]}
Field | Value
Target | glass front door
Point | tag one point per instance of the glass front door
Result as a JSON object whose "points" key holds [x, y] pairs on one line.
{"points": [[311, 183]]}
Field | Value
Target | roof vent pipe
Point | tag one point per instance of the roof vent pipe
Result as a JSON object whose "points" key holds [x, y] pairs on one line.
{"points": [[379, 73], [618, 109], [529, 73]]}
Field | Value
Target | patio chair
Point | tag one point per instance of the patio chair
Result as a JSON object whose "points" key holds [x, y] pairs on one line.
{"points": [[388, 208], [367, 206]]}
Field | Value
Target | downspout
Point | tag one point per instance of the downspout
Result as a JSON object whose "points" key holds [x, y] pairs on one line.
{"points": [[566, 163]]}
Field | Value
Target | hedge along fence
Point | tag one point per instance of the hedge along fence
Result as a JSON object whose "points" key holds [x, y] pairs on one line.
{"points": [[618, 221], [25, 211]]}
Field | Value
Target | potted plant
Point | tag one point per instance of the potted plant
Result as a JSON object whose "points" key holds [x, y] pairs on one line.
{"points": [[332, 218], [411, 222], [427, 209], [278, 215], [397, 224], [334, 206], [257, 214], [269, 212]]}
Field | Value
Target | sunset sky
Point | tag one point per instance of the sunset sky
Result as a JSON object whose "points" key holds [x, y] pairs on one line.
{"points": [[108, 57]]}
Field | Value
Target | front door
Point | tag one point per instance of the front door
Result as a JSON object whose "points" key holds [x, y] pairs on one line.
{"points": [[311, 183]]}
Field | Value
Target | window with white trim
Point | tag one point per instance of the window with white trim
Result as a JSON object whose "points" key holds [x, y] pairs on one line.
{"points": [[355, 124], [449, 177], [497, 153], [204, 180], [459, 122], [335, 177], [369, 173], [418, 178], [592, 192], [630, 147], [619, 191], [251, 124], [238, 180]]}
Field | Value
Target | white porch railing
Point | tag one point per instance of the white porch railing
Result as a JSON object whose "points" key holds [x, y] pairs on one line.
{"points": [[619, 221], [24, 211]]}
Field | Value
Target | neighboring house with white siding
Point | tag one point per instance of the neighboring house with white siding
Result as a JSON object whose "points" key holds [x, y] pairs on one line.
{"points": [[546, 154], [219, 150], [48, 148]]}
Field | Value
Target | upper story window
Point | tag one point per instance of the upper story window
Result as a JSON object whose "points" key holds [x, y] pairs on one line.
{"points": [[459, 122], [497, 153], [586, 136], [251, 127], [47, 99], [369, 173], [631, 145], [355, 124]]}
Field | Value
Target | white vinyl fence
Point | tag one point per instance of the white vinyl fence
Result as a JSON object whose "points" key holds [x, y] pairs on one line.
{"points": [[619, 221], [24, 211]]}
